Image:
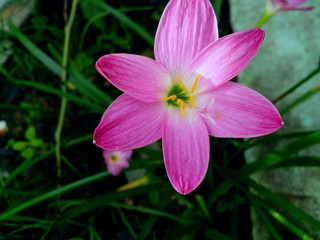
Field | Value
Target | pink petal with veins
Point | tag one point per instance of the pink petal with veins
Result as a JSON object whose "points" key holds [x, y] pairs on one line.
{"points": [[240, 112], [228, 56], [140, 77], [129, 123], [186, 149], [185, 28]]}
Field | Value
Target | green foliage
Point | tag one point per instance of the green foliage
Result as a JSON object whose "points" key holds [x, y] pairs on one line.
{"points": [[31, 146], [85, 202]]}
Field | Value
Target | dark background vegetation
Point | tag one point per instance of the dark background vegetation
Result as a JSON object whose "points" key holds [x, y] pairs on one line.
{"points": [[83, 203]]}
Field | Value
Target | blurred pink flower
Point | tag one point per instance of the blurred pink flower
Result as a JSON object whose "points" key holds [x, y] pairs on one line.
{"points": [[185, 95], [116, 160], [287, 5]]}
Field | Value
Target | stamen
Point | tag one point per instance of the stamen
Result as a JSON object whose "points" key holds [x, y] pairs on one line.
{"points": [[192, 101], [173, 97], [182, 85], [181, 103], [195, 83]]}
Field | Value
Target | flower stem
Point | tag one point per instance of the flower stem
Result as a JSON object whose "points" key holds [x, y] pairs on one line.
{"points": [[63, 106], [302, 98], [266, 15], [294, 87]]}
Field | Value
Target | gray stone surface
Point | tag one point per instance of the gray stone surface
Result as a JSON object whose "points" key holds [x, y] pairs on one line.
{"points": [[290, 51], [16, 11]]}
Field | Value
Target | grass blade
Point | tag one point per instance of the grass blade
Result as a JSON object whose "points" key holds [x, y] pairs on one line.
{"points": [[123, 18], [284, 204], [52, 193], [40, 55]]}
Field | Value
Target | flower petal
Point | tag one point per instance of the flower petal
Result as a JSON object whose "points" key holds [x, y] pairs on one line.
{"points": [[185, 28], [129, 123], [140, 77], [240, 112], [186, 149], [228, 56], [288, 5], [293, 8]]}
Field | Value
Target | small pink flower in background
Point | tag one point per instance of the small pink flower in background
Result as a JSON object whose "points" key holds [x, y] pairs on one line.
{"points": [[287, 5], [275, 6], [185, 94], [116, 160]]}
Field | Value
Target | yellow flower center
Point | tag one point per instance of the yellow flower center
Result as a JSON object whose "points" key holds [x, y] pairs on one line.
{"points": [[114, 158], [179, 96]]}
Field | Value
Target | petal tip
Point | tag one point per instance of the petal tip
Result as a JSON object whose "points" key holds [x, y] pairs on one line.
{"points": [[185, 188], [260, 33], [183, 191]]}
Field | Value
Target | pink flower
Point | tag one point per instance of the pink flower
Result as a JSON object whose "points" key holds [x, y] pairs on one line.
{"points": [[285, 5], [116, 160], [184, 95]]}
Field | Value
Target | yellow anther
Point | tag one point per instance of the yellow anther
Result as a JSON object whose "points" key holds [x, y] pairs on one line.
{"points": [[181, 103], [195, 83], [182, 85], [173, 97], [192, 101]]}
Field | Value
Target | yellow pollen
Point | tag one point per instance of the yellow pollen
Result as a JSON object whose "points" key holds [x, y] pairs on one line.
{"points": [[195, 83], [173, 97], [182, 85], [181, 103]]}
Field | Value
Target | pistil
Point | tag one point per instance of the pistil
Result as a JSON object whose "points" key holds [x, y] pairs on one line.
{"points": [[178, 94]]}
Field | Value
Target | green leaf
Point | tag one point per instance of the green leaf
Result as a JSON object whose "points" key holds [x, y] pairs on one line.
{"points": [[76, 78], [19, 145], [30, 133], [293, 228], [69, 96], [27, 153], [88, 89], [268, 223], [284, 204], [311, 92], [300, 144], [127, 223], [103, 200], [47, 195], [151, 211], [154, 197], [89, 11], [203, 206], [300, 161], [212, 234], [36, 142]]}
